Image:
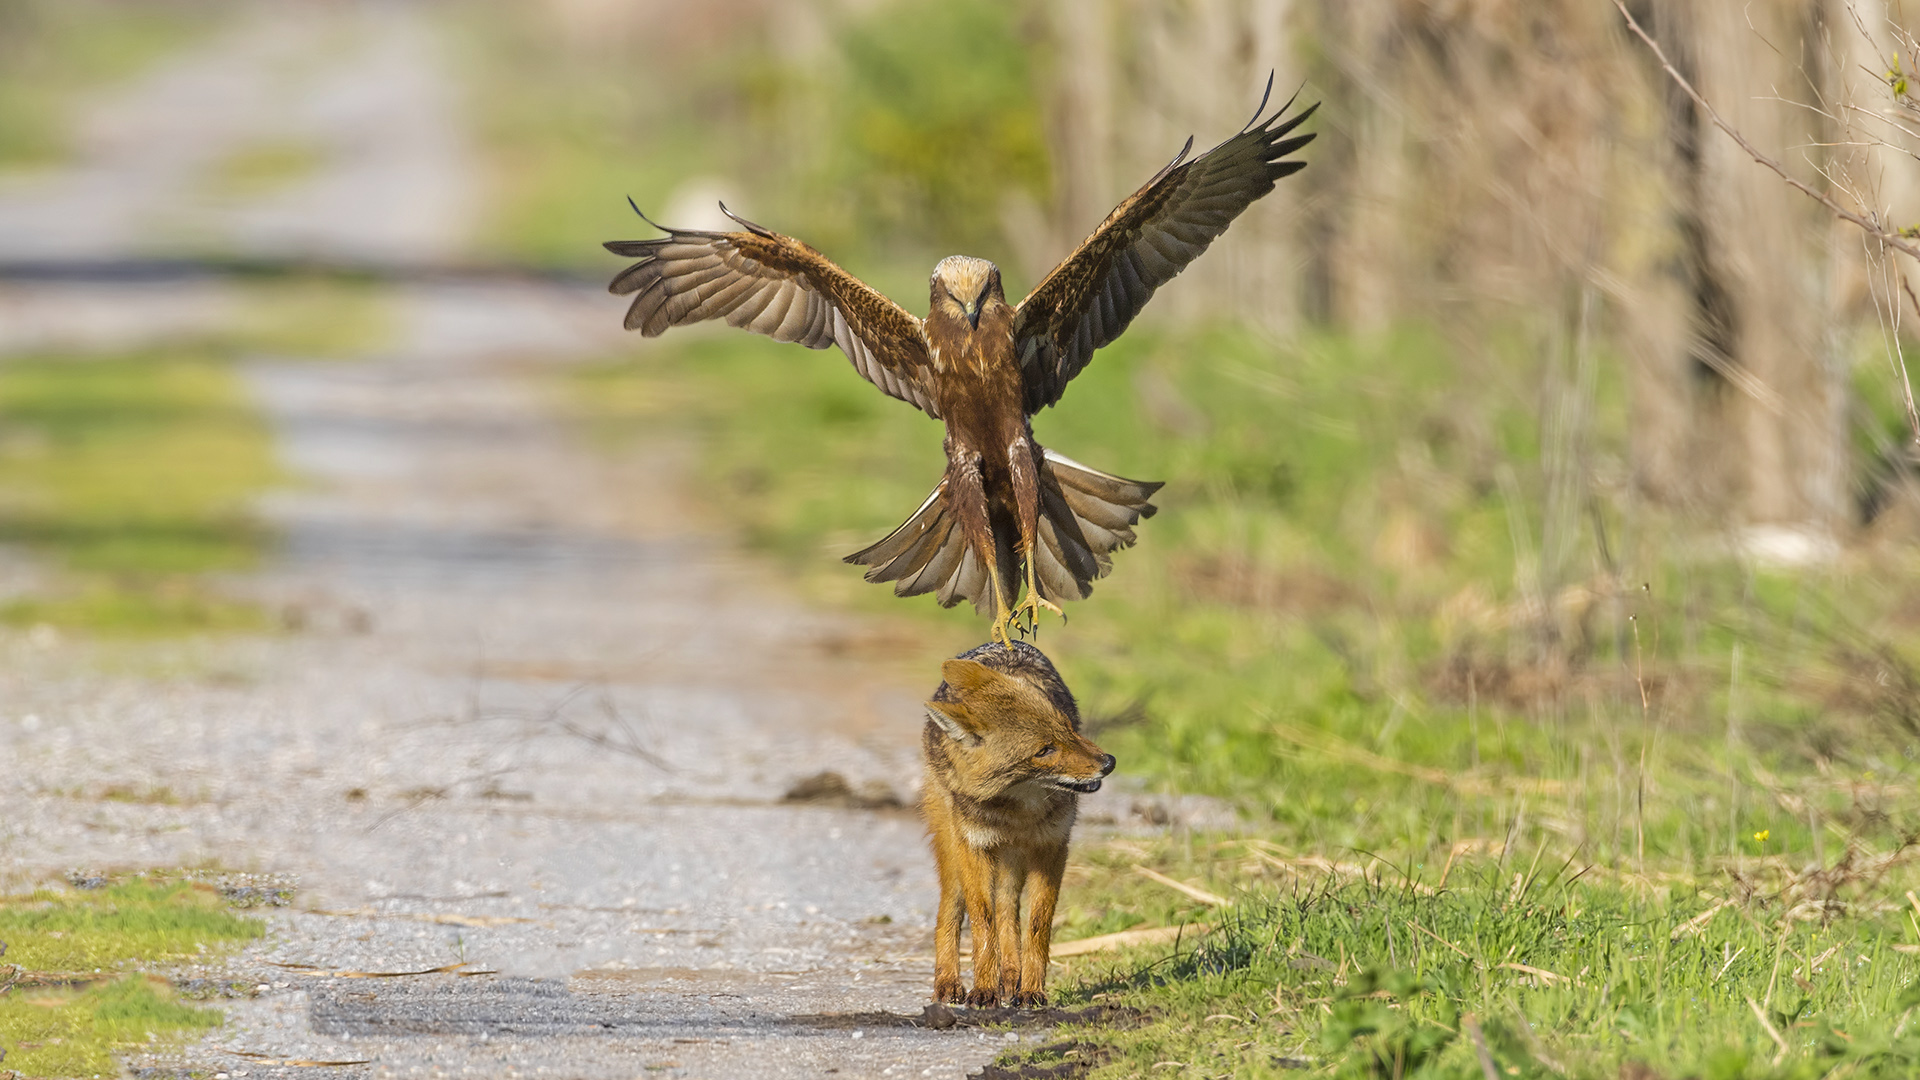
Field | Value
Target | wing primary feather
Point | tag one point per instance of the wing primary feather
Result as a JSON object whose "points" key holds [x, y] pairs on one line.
{"points": [[1088, 300], [775, 285], [644, 217], [1258, 112], [757, 230], [1171, 165]]}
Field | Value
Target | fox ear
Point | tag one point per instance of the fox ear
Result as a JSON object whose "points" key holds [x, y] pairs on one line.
{"points": [[993, 694], [969, 676], [952, 718]]}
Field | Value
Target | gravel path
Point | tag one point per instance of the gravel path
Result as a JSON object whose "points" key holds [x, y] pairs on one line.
{"points": [[527, 719]]}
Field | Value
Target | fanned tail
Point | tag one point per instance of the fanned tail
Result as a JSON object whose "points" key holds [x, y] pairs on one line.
{"points": [[1084, 515]]}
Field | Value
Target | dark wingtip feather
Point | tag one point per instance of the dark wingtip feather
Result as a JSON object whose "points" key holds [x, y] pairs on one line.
{"points": [[1171, 165], [1282, 149], [757, 230], [644, 217], [1261, 109]]}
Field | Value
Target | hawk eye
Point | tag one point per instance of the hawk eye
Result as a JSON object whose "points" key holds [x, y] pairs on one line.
{"points": [[1045, 751]]}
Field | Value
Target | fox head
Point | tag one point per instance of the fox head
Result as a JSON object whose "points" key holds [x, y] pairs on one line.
{"points": [[1005, 718]]}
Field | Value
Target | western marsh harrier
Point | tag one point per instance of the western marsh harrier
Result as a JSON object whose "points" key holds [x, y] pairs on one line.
{"points": [[980, 364]]}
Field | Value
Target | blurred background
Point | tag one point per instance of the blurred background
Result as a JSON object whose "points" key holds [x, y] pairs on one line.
{"points": [[1532, 428]]}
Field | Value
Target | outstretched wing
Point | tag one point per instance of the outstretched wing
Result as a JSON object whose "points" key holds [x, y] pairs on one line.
{"points": [[1091, 296], [774, 285]]}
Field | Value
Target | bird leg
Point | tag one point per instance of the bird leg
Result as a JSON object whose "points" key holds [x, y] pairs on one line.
{"points": [[1003, 628], [1031, 604], [1023, 464], [967, 498]]}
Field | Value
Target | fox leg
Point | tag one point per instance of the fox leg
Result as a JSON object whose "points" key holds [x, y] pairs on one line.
{"points": [[1024, 465], [1043, 888], [1009, 878], [947, 987], [976, 879]]}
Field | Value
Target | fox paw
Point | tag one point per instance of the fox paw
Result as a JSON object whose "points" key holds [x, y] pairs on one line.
{"points": [[984, 998], [949, 991], [1028, 999]]}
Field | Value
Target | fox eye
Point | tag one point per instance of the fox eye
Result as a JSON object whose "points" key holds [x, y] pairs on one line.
{"points": [[1045, 751]]}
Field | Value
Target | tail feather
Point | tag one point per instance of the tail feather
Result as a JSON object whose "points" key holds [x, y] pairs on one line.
{"points": [[930, 522], [1051, 569], [940, 563], [1085, 515], [968, 582]]}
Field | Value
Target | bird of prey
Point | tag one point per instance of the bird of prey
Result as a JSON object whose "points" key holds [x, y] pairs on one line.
{"points": [[982, 365]]}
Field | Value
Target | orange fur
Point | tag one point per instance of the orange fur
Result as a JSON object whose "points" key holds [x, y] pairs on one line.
{"points": [[1005, 765]]}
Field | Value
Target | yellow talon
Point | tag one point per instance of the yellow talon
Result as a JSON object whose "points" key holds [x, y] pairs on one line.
{"points": [[1002, 619], [1030, 606]]}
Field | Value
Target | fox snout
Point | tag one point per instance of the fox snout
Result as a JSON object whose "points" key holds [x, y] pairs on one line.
{"points": [[1089, 786]]}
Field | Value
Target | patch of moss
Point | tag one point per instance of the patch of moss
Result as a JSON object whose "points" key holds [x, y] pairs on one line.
{"points": [[74, 1033], [57, 1021], [140, 919]]}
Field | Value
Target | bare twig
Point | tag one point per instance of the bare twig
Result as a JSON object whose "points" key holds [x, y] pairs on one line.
{"points": [[628, 744], [1872, 227], [1195, 891], [1447, 943], [1548, 977], [1124, 939], [1471, 1025], [293, 1063], [1772, 1032], [1900, 357]]}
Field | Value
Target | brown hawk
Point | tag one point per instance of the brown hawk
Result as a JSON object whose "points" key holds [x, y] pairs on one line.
{"points": [[982, 365]]}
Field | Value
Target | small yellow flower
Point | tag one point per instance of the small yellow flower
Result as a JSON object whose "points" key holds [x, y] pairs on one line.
{"points": [[1762, 835]]}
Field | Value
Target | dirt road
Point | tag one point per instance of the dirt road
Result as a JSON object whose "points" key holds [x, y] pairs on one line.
{"points": [[526, 719]]}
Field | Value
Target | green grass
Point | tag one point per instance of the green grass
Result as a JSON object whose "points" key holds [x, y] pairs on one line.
{"points": [[69, 1033], [134, 474], [62, 1017], [53, 52], [1351, 965], [1357, 619], [265, 168], [151, 920], [310, 318]]}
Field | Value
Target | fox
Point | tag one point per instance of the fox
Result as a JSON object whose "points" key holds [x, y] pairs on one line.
{"points": [[1005, 768]]}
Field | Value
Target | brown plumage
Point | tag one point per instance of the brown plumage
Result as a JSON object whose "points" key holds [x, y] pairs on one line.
{"points": [[980, 364]]}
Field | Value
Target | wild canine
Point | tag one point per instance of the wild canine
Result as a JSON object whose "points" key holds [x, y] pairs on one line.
{"points": [[1005, 759]]}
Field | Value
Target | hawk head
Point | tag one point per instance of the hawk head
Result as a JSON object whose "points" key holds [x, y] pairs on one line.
{"points": [[964, 286]]}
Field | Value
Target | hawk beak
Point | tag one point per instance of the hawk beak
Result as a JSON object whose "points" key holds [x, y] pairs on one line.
{"points": [[973, 315]]}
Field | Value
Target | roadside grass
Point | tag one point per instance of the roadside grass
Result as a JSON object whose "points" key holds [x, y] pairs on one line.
{"points": [[1564, 967], [67, 1002], [1365, 619], [309, 318], [132, 473], [264, 168], [52, 52]]}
